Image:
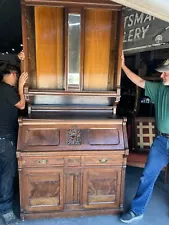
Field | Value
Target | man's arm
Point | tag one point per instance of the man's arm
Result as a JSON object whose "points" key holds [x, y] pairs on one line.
{"points": [[22, 80], [132, 76]]}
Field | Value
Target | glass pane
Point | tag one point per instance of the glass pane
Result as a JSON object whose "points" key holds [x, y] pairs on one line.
{"points": [[74, 30]]}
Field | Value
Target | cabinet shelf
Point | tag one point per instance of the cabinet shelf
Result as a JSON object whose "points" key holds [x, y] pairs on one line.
{"points": [[34, 92]]}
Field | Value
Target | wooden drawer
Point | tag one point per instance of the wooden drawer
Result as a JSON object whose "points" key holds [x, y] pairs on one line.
{"points": [[103, 160], [42, 161]]}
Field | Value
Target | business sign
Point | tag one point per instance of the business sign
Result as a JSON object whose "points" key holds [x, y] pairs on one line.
{"points": [[143, 32]]}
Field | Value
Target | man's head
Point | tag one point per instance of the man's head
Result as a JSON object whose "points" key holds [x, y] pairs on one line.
{"points": [[9, 74], [164, 69]]}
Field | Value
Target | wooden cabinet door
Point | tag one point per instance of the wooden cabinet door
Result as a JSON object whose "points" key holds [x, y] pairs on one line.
{"points": [[73, 186], [101, 187], [41, 189]]}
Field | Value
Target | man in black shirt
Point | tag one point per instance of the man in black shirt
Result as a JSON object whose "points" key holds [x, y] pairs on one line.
{"points": [[10, 102]]}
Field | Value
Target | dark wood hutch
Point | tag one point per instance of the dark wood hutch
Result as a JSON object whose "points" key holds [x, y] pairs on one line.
{"points": [[72, 146]]}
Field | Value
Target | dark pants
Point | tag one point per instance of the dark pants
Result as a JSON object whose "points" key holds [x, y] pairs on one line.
{"points": [[7, 171]]}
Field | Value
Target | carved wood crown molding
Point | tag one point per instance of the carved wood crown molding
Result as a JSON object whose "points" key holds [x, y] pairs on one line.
{"points": [[92, 3]]}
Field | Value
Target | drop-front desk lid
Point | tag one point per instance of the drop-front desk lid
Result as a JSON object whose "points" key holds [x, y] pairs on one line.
{"points": [[71, 131]]}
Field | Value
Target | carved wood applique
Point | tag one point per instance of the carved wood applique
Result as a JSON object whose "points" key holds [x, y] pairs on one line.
{"points": [[45, 192], [102, 187], [74, 137]]}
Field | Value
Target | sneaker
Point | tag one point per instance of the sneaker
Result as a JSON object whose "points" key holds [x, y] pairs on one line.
{"points": [[130, 216], [10, 218]]}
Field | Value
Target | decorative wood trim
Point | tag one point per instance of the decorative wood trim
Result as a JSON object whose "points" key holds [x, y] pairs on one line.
{"points": [[123, 172], [29, 120], [76, 3], [74, 137], [33, 92], [27, 98], [125, 133], [112, 52], [24, 66], [120, 49], [66, 48], [26, 88], [118, 92], [115, 107], [69, 213], [82, 50], [118, 96], [70, 108], [116, 153]]}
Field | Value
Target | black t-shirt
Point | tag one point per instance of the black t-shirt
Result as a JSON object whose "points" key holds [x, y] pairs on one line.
{"points": [[8, 112]]}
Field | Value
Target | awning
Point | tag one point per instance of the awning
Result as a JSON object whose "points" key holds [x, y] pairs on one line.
{"points": [[157, 8]]}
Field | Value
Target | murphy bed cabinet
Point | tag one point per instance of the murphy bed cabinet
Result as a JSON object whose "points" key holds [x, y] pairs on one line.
{"points": [[72, 147]]}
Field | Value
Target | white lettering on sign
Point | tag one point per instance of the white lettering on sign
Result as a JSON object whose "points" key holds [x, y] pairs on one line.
{"points": [[138, 18], [138, 32]]}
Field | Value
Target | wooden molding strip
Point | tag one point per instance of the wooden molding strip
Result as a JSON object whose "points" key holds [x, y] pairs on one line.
{"points": [[33, 92], [76, 3]]}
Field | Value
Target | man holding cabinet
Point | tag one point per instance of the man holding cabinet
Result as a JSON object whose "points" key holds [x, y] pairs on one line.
{"points": [[159, 152], [10, 102]]}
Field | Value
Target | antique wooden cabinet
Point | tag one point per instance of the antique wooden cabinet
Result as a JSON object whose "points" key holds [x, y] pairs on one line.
{"points": [[72, 146]]}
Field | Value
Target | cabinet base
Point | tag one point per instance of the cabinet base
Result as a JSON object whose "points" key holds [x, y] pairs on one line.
{"points": [[47, 215]]}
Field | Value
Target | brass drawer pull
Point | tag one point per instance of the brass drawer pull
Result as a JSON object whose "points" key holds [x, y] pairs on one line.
{"points": [[43, 161], [103, 160]]}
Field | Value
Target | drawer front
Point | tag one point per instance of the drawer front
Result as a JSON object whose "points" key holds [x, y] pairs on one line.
{"points": [[42, 161], [103, 160]]}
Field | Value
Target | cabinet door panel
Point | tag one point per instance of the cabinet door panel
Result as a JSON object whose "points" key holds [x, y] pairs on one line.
{"points": [[43, 189], [49, 47], [101, 187], [97, 49], [73, 184]]}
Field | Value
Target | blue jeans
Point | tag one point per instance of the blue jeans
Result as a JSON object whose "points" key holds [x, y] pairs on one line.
{"points": [[7, 172], [157, 159]]}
